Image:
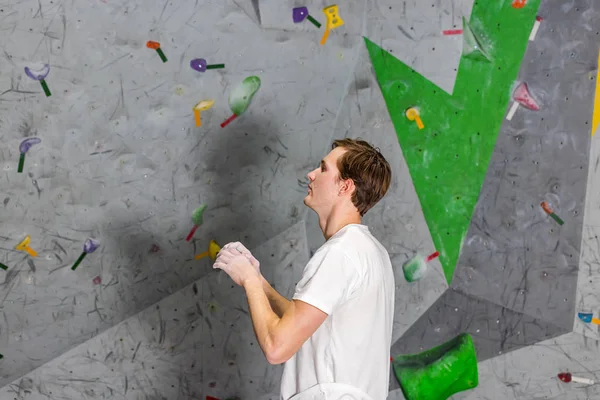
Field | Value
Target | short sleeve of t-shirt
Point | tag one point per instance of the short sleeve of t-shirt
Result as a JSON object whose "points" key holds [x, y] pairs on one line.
{"points": [[328, 279]]}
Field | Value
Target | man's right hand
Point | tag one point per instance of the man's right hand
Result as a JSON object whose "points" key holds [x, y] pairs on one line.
{"points": [[242, 249]]}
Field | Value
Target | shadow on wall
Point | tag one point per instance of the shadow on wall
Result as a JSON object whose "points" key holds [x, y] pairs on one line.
{"points": [[223, 154], [235, 155]]}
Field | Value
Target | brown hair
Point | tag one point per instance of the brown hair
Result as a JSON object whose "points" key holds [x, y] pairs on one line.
{"points": [[367, 168]]}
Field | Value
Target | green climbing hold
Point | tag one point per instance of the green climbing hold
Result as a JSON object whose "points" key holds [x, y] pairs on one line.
{"points": [[197, 215], [440, 372], [472, 47], [241, 96]]}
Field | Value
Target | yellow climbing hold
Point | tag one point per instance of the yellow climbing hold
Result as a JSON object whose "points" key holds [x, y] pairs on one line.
{"points": [[213, 250], [334, 20], [24, 246], [413, 115], [596, 115], [202, 106]]}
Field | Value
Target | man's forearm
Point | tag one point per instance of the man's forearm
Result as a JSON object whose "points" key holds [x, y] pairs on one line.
{"points": [[264, 319], [278, 303]]}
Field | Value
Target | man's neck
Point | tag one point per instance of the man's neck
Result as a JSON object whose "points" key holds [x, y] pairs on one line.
{"points": [[330, 226]]}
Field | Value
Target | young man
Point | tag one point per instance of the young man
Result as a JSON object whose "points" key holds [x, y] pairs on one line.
{"points": [[334, 336]]}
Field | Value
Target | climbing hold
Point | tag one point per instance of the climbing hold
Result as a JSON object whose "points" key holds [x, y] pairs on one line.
{"points": [[213, 250], [197, 220], [156, 46], [414, 269], [299, 14], [440, 372], [197, 215], [413, 115], [40, 75], [199, 64], [90, 246], [567, 378], [241, 97], [97, 280], [24, 148], [550, 212], [519, 3], [154, 248], [24, 246], [596, 113], [588, 318], [201, 106], [4, 267], [522, 95], [333, 21], [472, 47], [536, 26], [452, 32]]}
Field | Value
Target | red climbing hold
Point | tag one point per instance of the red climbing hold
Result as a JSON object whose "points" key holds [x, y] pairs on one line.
{"points": [[565, 377], [523, 97]]}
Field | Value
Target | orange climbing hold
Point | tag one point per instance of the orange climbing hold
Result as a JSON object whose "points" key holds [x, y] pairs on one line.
{"points": [[519, 3], [153, 45]]}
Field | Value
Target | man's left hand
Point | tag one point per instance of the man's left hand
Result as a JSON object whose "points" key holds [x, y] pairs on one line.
{"points": [[235, 264]]}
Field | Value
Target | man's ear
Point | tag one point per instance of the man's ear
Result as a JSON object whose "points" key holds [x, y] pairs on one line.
{"points": [[347, 187]]}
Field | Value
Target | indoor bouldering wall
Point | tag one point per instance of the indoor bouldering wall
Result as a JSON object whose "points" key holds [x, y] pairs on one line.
{"points": [[515, 279], [120, 149]]}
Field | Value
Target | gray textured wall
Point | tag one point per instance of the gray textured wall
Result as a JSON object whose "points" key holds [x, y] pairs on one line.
{"points": [[122, 161]]}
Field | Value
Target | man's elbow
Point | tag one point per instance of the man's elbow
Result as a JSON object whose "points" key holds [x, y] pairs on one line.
{"points": [[276, 353], [276, 358], [272, 360]]}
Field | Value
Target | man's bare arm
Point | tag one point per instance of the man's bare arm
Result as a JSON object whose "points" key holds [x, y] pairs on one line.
{"points": [[279, 304]]}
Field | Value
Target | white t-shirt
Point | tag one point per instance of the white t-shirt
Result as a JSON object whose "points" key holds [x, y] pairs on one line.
{"points": [[350, 278]]}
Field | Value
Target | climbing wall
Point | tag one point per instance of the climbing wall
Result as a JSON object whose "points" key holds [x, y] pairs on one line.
{"points": [[124, 159], [516, 277]]}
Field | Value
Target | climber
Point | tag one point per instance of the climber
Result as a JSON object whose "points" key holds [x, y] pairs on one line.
{"points": [[334, 336]]}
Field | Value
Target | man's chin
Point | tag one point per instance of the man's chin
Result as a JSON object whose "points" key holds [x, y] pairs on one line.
{"points": [[307, 200]]}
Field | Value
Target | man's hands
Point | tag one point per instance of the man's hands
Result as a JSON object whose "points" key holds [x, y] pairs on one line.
{"points": [[238, 262]]}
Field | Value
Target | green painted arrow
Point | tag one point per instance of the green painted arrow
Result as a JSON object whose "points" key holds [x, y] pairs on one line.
{"points": [[449, 158]]}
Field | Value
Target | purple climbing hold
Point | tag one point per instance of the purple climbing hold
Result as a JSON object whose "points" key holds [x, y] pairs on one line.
{"points": [[38, 75], [299, 14], [27, 143], [198, 64], [90, 246]]}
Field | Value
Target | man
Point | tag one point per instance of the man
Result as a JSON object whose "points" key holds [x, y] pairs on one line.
{"points": [[334, 336]]}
